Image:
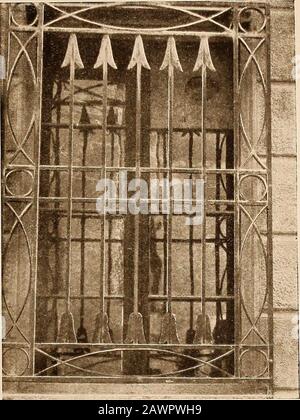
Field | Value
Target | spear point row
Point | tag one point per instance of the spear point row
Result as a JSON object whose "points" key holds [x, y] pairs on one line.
{"points": [[138, 58]]}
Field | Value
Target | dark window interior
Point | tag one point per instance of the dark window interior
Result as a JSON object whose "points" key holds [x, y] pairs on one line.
{"points": [[119, 245]]}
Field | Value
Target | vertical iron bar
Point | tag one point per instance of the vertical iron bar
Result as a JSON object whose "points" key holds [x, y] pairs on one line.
{"points": [[38, 130], [57, 205], [109, 221], [237, 309], [165, 244], [4, 85], [103, 218], [138, 176], [230, 268], [191, 238], [170, 206], [217, 231], [70, 183], [269, 215], [83, 220], [203, 236]]}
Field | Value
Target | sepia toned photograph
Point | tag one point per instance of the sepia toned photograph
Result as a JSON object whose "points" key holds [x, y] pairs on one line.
{"points": [[149, 201]]}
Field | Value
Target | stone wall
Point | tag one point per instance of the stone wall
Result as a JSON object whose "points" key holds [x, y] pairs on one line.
{"points": [[284, 161]]}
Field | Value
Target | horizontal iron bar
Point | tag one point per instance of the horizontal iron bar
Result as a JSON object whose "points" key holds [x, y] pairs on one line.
{"points": [[153, 6], [145, 33], [16, 345], [191, 130], [192, 298], [150, 297], [179, 5], [112, 345], [94, 200], [83, 126], [156, 240], [150, 169], [143, 169], [185, 34], [141, 379], [185, 130], [89, 214], [75, 297], [152, 346], [122, 168]]}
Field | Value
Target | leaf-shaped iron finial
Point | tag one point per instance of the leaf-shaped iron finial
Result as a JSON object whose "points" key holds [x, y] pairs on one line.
{"points": [[72, 55], [135, 333], [138, 55], [203, 330], [168, 333], [102, 332], [66, 332], [105, 55], [204, 57], [171, 58]]}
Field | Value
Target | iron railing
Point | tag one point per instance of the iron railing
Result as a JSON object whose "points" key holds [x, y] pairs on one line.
{"points": [[241, 196]]}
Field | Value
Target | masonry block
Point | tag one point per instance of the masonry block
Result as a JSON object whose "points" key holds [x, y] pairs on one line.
{"points": [[286, 371], [282, 44], [284, 136], [285, 271], [284, 194]]}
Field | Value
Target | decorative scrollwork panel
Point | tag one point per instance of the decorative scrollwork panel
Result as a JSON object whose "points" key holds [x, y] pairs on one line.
{"points": [[254, 193], [20, 185]]}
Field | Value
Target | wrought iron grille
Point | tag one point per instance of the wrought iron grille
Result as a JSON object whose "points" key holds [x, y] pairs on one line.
{"points": [[119, 297]]}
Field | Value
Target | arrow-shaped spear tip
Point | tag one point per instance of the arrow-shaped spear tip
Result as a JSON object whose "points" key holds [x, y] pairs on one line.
{"points": [[73, 54], [138, 55], [105, 55], [204, 56], [171, 58]]}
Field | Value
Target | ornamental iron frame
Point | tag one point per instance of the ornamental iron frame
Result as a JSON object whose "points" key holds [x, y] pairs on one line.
{"points": [[199, 14]]}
